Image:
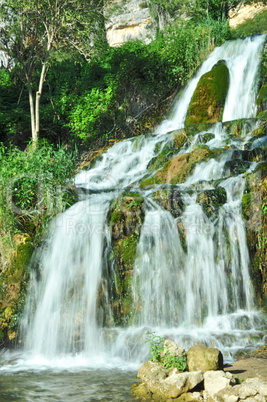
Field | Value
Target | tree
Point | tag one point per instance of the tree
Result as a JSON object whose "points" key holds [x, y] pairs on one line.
{"points": [[32, 30]]}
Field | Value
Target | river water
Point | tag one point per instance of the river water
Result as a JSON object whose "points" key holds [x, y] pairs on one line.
{"points": [[201, 293]]}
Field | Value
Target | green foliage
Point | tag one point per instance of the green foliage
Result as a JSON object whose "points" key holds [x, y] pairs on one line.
{"points": [[112, 95], [199, 10], [33, 183], [167, 359], [156, 346], [99, 101], [208, 99], [179, 362]]}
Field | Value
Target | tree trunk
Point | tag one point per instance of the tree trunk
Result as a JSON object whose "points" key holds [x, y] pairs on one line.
{"points": [[35, 114], [34, 136], [37, 100]]}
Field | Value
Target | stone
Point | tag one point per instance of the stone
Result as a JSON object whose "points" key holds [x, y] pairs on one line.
{"points": [[208, 100], [172, 348], [132, 22], [151, 371], [176, 384], [141, 391], [189, 397], [252, 389], [201, 357], [154, 380], [214, 381]]}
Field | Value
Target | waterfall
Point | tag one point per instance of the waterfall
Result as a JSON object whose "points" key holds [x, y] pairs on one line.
{"points": [[192, 289]]}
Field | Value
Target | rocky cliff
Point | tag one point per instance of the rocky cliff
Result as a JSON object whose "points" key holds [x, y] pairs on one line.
{"points": [[130, 21]]}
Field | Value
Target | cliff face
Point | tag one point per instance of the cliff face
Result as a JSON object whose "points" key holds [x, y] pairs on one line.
{"points": [[126, 22]]}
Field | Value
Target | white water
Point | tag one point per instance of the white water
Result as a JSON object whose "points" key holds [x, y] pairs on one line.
{"points": [[193, 294], [241, 57]]}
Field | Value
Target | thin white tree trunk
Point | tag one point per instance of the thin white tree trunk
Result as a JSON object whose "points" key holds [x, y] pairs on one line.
{"points": [[37, 100], [34, 136]]}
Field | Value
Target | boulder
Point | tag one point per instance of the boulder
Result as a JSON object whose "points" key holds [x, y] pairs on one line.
{"points": [[175, 385], [201, 357], [214, 381], [208, 100], [155, 380]]}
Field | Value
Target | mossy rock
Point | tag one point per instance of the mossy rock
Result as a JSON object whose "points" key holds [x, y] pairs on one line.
{"points": [[208, 100], [262, 98], [170, 199], [204, 138], [125, 217], [159, 161], [254, 209], [13, 287], [211, 200], [141, 392], [236, 167], [177, 169]]}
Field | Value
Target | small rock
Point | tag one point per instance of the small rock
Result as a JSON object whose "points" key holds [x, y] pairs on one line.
{"points": [[172, 348]]}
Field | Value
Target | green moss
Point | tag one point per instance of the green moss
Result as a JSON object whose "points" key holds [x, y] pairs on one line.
{"points": [[157, 162], [246, 205], [209, 97], [262, 98], [115, 216], [194, 157], [211, 200], [126, 217], [256, 25], [13, 284], [150, 182]]}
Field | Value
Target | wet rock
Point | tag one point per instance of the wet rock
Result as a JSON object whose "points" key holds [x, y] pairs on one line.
{"points": [[211, 200], [201, 357], [256, 142], [178, 168], [204, 138], [208, 100], [236, 167], [170, 199]]}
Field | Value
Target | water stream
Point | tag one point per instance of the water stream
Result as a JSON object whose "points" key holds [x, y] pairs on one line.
{"points": [[195, 292]]}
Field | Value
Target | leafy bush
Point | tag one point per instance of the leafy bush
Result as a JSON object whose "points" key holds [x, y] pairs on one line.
{"points": [[112, 92], [167, 360], [33, 183]]}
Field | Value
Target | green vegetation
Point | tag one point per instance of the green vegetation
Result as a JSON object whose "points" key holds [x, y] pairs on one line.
{"points": [[262, 95], [208, 100], [120, 92], [84, 103], [256, 25], [33, 189], [167, 359], [33, 31], [126, 216]]}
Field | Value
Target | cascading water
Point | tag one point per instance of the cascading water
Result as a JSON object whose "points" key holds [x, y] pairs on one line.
{"points": [[194, 289]]}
